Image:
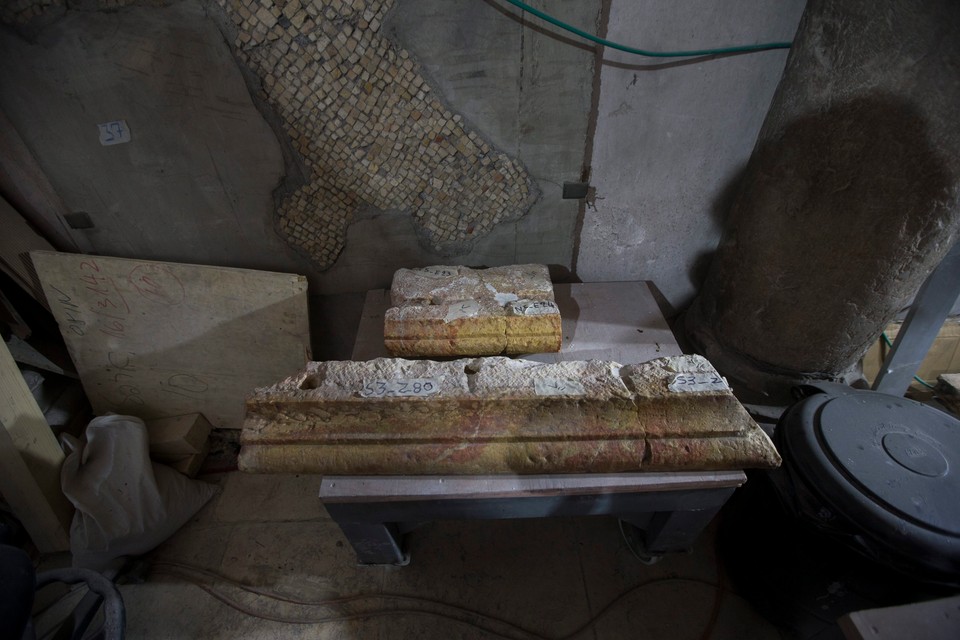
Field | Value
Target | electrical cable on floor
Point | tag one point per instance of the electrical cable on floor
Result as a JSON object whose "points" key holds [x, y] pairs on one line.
{"points": [[455, 613], [889, 344], [646, 52]]}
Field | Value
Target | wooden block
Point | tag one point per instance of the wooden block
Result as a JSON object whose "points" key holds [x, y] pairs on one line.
{"points": [[177, 437], [16, 242], [450, 310], [154, 339], [189, 465], [497, 415], [30, 458]]}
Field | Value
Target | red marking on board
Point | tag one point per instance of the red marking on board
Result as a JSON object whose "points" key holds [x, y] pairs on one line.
{"points": [[157, 283]]}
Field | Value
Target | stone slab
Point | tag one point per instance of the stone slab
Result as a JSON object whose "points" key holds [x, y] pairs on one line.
{"points": [[617, 321], [499, 416], [453, 310]]}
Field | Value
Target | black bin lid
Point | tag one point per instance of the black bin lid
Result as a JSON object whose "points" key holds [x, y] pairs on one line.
{"points": [[886, 466], [902, 454]]}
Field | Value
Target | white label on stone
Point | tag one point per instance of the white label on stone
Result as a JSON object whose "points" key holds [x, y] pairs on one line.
{"points": [[116, 132], [439, 272], [557, 387], [532, 308], [465, 309], [691, 382], [415, 387]]}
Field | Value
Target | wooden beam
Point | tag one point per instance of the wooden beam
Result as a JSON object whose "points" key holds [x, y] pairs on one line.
{"points": [[16, 243], [31, 458]]}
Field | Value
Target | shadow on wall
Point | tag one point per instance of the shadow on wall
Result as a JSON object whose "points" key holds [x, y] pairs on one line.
{"points": [[719, 210], [839, 213]]}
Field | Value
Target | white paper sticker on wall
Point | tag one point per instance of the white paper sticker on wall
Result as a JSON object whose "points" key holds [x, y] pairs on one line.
{"points": [[557, 387], [691, 382], [116, 132]]}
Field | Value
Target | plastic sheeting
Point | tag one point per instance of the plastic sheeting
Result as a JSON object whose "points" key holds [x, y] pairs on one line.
{"points": [[126, 504]]}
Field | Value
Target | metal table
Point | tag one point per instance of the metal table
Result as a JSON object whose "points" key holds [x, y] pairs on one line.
{"points": [[610, 321]]}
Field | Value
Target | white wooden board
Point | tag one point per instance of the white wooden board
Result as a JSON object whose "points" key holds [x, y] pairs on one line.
{"points": [[30, 461], [16, 241], [157, 339]]}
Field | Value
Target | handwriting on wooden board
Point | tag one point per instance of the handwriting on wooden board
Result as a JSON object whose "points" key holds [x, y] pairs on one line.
{"points": [[156, 339]]}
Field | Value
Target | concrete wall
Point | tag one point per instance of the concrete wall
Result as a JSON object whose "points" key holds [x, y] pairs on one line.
{"points": [[215, 152], [527, 92], [194, 183], [673, 136]]}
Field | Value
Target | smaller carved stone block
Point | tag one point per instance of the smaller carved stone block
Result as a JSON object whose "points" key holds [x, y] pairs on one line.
{"points": [[450, 310]]}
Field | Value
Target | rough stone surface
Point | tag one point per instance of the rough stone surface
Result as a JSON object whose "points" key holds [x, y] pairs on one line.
{"points": [[497, 415], [450, 310], [851, 197]]}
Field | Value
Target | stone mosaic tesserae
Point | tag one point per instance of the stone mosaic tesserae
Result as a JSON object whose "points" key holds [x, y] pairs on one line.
{"points": [[449, 310], [369, 129]]}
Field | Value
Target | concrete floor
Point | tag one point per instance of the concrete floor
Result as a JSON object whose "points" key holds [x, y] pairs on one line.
{"points": [[263, 560]]}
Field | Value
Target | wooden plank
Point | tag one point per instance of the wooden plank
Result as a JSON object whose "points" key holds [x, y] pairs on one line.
{"points": [[617, 321], [16, 242], [932, 620], [30, 458], [400, 488], [158, 339]]}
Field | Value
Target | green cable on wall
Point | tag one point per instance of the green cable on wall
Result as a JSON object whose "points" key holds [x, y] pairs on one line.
{"points": [[644, 52]]}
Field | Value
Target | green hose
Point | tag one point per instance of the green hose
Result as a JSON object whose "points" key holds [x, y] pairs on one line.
{"points": [[643, 52]]}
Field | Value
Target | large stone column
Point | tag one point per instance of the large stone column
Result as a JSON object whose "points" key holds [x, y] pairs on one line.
{"points": [[851, 196]]}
